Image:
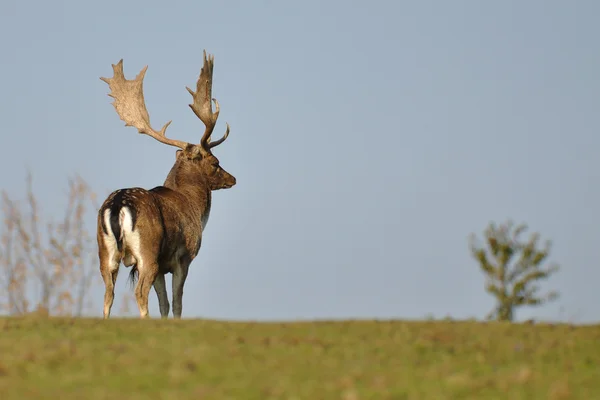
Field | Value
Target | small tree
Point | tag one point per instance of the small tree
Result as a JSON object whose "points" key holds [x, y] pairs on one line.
{"points": [[512, 268], [46, 267]]}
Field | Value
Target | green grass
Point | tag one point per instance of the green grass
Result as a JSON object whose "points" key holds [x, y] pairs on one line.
{"points": [[197, 359]]}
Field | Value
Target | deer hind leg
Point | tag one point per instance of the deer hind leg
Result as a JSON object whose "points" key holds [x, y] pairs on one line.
{"points": [[147, 275], [109, 268], [110, 277], [161, 292]]}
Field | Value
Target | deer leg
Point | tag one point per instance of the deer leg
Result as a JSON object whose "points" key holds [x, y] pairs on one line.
{"points": [[110, 277], [109, 268], [160, 288], [179, 276], [147, 275]]}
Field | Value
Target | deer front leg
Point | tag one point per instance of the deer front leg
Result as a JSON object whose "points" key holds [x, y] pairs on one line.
{"points": [[147, 275], [179, 276], [160, 288]]}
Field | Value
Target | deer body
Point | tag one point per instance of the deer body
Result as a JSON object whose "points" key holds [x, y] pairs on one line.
{"points": [[159, 231]]}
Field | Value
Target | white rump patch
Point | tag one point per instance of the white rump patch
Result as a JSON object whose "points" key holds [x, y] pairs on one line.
{"points": [[131, 238], [125, 220], [110, 243]]}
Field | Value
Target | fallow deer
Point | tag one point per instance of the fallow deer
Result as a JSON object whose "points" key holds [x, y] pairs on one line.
{"points": [[159, 231]]}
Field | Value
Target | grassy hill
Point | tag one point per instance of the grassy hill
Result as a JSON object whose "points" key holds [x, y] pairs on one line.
{"points": [[198, 359]]}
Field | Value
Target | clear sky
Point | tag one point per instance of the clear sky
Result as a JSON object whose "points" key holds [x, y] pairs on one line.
{"points": [[368, 139]]}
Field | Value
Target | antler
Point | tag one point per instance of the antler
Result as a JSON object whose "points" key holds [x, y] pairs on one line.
{"points": [[202, 105], [130, 105]]}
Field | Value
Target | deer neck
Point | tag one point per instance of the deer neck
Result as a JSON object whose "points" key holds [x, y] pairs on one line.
{"points": [[195, 190]]}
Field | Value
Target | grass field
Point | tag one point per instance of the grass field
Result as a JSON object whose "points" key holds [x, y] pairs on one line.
{"points": [[197, 359]]}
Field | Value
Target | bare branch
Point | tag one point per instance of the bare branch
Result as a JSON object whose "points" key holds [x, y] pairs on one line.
{"points": [[57, 258]]}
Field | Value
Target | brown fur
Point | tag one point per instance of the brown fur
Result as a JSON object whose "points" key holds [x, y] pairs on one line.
{"points": [[169, 219]]}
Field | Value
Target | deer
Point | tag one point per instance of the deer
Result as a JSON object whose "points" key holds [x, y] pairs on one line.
{"points": [[159, 231]]}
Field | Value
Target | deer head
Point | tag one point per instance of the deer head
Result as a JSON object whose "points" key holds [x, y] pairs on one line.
{"points": [[195, 162]]}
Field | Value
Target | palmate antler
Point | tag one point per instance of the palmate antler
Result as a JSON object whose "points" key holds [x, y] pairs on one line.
{"points": [[202, 105], [131, 107]]}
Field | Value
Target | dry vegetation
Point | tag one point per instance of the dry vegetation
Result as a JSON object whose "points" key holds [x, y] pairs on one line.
{"points": [[46, 267], [166, 359]]}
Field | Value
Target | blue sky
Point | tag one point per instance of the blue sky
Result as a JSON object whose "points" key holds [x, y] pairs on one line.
{"points": [[368, 139]]}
